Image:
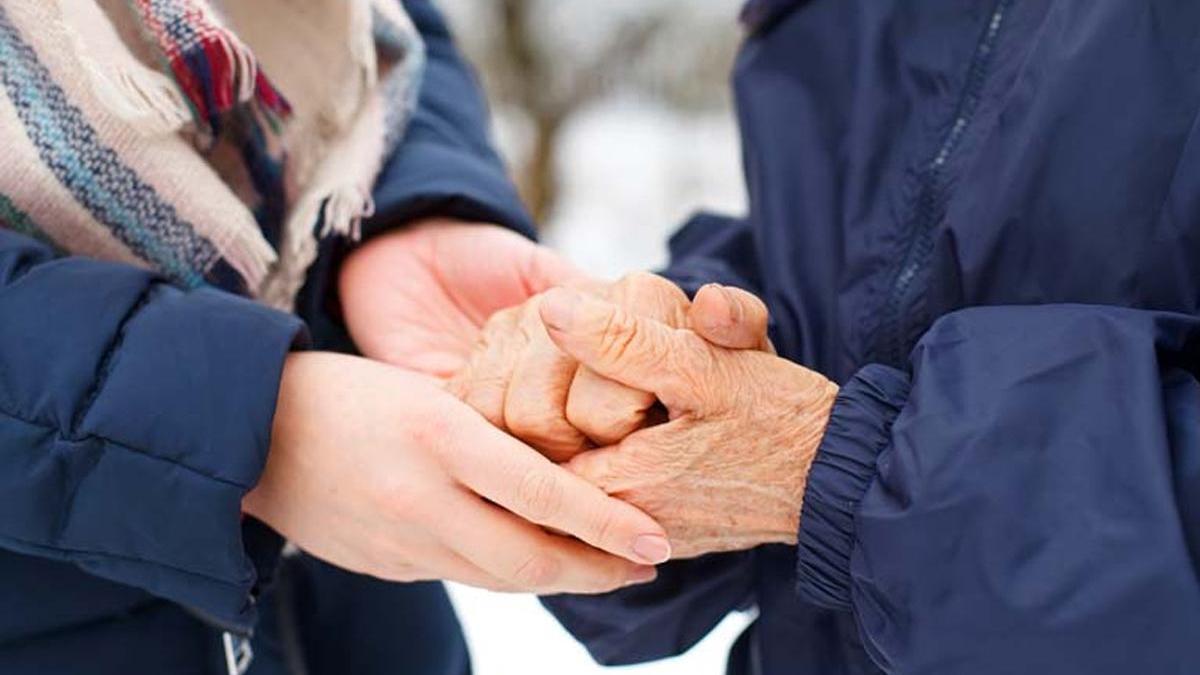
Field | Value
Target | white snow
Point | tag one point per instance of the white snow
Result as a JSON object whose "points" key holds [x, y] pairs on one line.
{"points": [[514, 635]]}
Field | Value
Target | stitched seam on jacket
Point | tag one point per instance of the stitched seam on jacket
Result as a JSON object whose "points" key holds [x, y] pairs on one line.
{"points": [[110, 443], [107, 360]]}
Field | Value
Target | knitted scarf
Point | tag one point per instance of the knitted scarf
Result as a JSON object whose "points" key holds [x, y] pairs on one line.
{"points": [[215, 143]]}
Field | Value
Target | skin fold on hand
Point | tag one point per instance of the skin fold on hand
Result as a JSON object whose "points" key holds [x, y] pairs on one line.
{"points": [[728, 470]]}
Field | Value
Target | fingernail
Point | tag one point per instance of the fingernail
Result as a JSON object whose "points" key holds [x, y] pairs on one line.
{"points": [[737, 313], [641, 575], [652, 549], [558, 308]]}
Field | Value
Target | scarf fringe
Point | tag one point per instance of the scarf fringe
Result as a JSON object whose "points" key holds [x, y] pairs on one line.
{"points": [[338, 212], [240, 81], [345, 208], [152, 102], [146, 98], [251, 256]]}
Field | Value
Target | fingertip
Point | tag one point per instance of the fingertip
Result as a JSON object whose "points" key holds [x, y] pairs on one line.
{"points": [[712, 308], [730, 317], [652, 549], [642, 574]]}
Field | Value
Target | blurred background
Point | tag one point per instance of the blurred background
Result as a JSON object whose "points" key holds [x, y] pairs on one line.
{"points": [[615, 119]]}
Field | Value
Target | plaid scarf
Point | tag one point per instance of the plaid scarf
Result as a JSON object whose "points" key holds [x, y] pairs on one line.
{"points": [[214, 144]]}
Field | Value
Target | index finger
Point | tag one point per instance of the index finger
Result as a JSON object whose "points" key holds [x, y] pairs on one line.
{"points": [[525, 557], [641, 353], [519, 479]]}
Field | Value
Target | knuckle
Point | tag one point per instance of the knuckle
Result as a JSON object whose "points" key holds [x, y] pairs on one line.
{"points": [[608, 418], [486, 397], [655, 296], [541, 427], [402, 504], [524, 417], [540, 496], [638, 280], [604, 526], [539, 570], [618, 336]]}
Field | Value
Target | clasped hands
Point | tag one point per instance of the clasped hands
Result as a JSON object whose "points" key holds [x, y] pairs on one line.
{"points": [[607, 427]]}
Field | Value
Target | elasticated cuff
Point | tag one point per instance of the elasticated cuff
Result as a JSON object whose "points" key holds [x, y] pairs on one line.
{"points": [[859, 429]]}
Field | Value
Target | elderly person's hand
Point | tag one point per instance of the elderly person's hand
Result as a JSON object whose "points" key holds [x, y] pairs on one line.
{"points": [[521, 382], [728, 470]]}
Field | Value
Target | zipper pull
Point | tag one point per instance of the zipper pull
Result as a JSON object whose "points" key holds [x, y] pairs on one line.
{"points": [[238, 653]]}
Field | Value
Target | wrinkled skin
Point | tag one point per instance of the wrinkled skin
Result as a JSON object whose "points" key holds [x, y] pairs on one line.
{"points": [[728, 471]]}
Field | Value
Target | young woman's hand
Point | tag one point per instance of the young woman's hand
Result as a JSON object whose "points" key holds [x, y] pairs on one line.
{"points": [[419, 296], [382, 472]]}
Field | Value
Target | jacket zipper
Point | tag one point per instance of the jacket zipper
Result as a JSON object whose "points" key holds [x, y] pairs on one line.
{"points": [[235, 641], [898, 318]]}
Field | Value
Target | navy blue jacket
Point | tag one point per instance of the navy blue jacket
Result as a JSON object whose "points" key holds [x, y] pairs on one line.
{"points": [[134, 416], [983, 220]]}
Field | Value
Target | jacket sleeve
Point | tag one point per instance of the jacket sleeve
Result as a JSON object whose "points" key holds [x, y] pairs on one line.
{"points": [[1026, 499], [712, 248], [690, 597], [446, 166], [663, 618], [133, 417]]}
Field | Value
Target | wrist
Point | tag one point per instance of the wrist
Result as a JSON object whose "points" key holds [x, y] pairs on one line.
{"points": [[809, 422], [293, 384]]}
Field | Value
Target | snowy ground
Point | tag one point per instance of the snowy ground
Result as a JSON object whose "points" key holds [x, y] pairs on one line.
{"points": [[631, 171], [513, 635]]}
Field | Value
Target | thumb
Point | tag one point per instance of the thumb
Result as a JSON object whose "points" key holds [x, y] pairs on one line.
{"points": [[640, 353], [730, 317]]}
